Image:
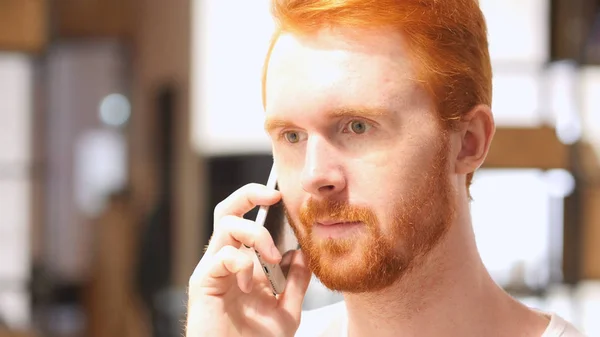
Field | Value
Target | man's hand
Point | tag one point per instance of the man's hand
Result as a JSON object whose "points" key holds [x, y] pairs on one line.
{"points": [[229, 294]]}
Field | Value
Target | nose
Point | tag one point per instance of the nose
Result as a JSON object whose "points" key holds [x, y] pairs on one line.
{"points": [[322, 175]]}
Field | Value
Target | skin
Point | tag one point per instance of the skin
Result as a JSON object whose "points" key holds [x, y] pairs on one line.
{"points": [[317, 87], [356, 122]]}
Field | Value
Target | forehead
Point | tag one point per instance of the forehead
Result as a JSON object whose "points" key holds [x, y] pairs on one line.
{"points": [[336, 68]]}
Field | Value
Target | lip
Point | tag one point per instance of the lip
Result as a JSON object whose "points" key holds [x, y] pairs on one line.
{"points": [[336, 222], [336, 228]]}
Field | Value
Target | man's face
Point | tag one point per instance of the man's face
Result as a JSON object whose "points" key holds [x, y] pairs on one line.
{"points": [[362, 160]]}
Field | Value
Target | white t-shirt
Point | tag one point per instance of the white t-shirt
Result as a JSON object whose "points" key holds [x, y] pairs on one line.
{"points": [[331, 320]]}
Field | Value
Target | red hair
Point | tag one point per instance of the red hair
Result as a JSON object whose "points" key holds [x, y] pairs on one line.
{"points": [[447, 42]]}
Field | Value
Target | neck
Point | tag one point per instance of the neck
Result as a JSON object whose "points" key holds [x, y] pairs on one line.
{"points": [[450, 293]]}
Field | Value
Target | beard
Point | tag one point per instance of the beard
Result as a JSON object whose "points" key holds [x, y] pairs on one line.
{"points": [[372, 259]]}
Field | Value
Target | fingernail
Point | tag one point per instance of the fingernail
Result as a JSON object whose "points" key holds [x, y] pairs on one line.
{"points": [[275, 253]]}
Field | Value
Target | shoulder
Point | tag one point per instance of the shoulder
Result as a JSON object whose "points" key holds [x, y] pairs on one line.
{"points": [[318, 322], [559, 327]]}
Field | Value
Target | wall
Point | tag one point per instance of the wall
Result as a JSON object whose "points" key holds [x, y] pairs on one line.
{"points": [[161, 56]]}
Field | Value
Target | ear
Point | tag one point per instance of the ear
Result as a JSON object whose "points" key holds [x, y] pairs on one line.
{"points": [[477, 129]]}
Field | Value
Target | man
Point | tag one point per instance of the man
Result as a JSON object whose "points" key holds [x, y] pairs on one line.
{"points": [[379, 113]]}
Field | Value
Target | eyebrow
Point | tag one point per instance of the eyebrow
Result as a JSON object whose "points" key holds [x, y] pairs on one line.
{"points": [[272, 123]]}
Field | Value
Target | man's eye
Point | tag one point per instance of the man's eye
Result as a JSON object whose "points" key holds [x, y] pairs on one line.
{"points": [[358, 127], [292, 136]]}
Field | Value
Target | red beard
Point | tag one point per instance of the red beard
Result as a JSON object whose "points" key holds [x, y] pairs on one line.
{"points": [[373, 259]]}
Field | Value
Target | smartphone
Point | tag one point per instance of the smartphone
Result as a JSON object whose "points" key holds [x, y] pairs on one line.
{"points": [[273, 272]]}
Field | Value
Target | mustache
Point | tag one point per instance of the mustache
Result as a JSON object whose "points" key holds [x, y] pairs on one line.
{"points": [[315, 210]]}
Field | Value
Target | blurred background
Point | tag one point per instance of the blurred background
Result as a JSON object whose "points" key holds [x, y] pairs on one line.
{"points": [[124, 122]]}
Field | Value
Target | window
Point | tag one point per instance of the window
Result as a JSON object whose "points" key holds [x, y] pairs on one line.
{"points": [[15, 160]]}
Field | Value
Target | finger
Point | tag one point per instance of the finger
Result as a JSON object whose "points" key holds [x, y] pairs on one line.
{"points": [[286, 261], [234, 231], [245, 199], [230, 260], [297, 284]]}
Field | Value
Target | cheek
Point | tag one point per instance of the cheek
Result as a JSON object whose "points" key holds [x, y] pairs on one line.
{"points": [[288, 157], [382, 183], [384, 175], [289, 172], [291, 198]]}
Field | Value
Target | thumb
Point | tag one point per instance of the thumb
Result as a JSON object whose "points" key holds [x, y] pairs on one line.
{"points": [[298, 279]]}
